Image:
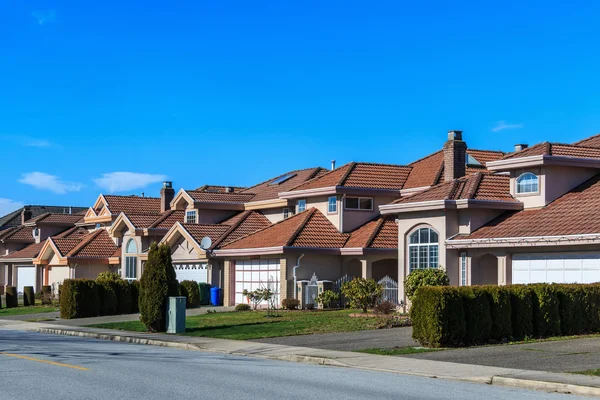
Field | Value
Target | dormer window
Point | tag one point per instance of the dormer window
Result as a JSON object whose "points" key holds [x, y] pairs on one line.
{"points": [[528, 183], [281, 179], [190, 217], [472, 161]]}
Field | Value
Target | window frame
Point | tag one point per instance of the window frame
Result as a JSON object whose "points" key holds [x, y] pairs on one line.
{"points": [[329, 205], [286, 212], [190, 212], [303, 201], [532, 192], [463, 269], [358, 204], [131, 268], [417, 250]]}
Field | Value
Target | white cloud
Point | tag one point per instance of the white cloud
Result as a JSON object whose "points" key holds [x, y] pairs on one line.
{"points": [[503, 125], [7, 206], [44, 17], [125, 181], [27, 141], [43, 181]]}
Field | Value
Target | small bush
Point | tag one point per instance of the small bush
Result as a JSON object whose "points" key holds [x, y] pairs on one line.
{"points": [[570, 305], [546, 314], [385, 307], [328, 299], [124, 297], [477, 314], [134, 287], [290, 304], [362, 293], [28, 296], [79, 299], [424, 277], [107, 291], [591, 308], [191, 291], [46, 295], [12, 299], [500, 312], [243, 307], [438, 316], [109, 276], [521, 303]]}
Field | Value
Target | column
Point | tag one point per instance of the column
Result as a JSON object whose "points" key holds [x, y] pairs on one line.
{"points": [[227, 283], [502, 273], [367, 268], [284, 292]]}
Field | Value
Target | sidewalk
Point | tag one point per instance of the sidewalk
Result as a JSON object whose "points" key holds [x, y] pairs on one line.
{"points": [[551, 382]]}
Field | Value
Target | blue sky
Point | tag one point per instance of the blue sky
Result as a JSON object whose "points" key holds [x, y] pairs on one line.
{"points": [[235, 92]]}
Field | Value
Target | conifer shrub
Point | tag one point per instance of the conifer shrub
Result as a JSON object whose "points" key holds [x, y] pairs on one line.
{"points": [[500, 312], [477, 314], [546, 314], [570, 305], [46, 295], [11, 297], [134, 287], [521, 303], [79, 299], [191, 291], [28, 296]]}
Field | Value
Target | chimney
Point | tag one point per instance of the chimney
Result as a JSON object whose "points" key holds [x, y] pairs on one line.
{"points": [[455, 156], [521, 146], [229, 189], [26, 214], [167, 193], [332, 165]]}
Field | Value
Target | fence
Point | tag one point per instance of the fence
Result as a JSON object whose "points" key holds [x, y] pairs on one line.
{"points": [[390, 290]]}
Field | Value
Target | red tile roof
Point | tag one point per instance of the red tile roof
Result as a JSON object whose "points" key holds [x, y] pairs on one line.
{"points": [[309, 228], [65, 245], [98, 244], [19, 234], [361, 175], [168, 219], [219, 189], [30, 251], [54, 218], [199, 231], [380, 233], [141, 221], [476, 187], [132, 204], [242, 225], [592, 141], [220, 197], [72, 233], [557, 149], [269, 190], [573, 213]]}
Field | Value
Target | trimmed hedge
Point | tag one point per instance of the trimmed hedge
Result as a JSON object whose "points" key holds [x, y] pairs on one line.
{"points": [[124, 297], [12, 300], [28, 296], [191, 291], [79, 299], [457, 316], [46, 295], [135, 296], [107, 291]]}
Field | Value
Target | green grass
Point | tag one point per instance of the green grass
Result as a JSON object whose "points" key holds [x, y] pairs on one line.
{"points": [[590, 372], [398, 351], [255, 324], [5, 312]]}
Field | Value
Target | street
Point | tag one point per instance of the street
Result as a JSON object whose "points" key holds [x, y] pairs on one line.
{"points": [[37, 365]]}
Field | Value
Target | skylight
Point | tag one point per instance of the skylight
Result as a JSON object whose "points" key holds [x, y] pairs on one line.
{"points": [[472, 161], [281, 179]]}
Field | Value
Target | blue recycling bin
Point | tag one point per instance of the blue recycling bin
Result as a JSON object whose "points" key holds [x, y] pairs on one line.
{"points": [[215, 296]]}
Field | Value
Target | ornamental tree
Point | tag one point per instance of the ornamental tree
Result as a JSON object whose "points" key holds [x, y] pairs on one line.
{"points": [[362, 293]]}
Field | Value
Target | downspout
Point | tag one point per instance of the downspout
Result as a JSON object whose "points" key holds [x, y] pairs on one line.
{"points": [[294, 269]]}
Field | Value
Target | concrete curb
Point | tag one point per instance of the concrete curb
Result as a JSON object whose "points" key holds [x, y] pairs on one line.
{"points": [[506, 380]]}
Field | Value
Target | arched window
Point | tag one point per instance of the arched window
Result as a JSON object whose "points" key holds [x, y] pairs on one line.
{"points": [[131, 261], [528, 183], [423, 249]]}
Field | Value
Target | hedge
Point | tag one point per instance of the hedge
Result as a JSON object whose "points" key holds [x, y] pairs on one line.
{"points": [[124, 297], [107, 291], [191, 291], [458, 316], [11, 297], [46, 294], [79, 299], [28, 296], [134, 287]]}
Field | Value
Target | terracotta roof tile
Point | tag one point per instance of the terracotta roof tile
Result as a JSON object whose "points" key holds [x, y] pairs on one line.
{"points": [[98, 244], [169, 219], [132, 204], [141, 221], [362, 236], [199, 231], [426, 171], [53, 218], [573, 213], [387, 235], [249, 222], [65, 245], [592, 141], [484, 156], [220, 197], [30, 251], [219, 189], [72, 233], [557, 149], [319, 232], [20, 234], [269, 190]]}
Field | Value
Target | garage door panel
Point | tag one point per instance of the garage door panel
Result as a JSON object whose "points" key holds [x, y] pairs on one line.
{"points": [[555, 276], [559, 268], [197, 272], [590, 276], [256, 274], [25, 277]]}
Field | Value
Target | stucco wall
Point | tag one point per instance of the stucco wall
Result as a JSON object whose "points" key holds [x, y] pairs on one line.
{"points": [[58, 274], [89, 270], [352, 219], [321, 204]]}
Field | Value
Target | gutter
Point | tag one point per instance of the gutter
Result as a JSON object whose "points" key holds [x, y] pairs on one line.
{"points": [[295, 280]]}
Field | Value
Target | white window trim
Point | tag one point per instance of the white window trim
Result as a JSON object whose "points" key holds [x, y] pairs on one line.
{"points": [[286, 212], [195, 212], [133, 259], [463, 269], [298, 205], [527, 193], [329, 206], [359, 199], [419, 245]]}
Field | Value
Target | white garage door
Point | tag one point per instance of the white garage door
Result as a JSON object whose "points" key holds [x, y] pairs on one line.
{"points": [[556, 268], [25, 277], [192, 272], [256, 274]]}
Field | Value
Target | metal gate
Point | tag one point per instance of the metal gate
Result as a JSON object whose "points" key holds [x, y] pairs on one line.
{"points": [[390, 290], [312, 291], [337, 287]]}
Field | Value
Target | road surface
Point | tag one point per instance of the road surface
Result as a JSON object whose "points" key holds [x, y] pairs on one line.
{"points": [[34, 365]]}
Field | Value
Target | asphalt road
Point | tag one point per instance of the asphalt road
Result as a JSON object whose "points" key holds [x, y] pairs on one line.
{"points": [[34, 365]]}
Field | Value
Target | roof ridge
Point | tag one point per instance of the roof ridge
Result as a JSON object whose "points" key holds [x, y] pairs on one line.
{"points": [[477, 177], [490, 151], [378, 226], [131, 196], [351, 166], [300, 228], [84, 242], [315, 178], [245, 215], [425, 157], [587, 138], [165, 215]]}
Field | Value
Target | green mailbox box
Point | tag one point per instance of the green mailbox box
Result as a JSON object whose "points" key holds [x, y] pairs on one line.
{"points": [[176, 314]]}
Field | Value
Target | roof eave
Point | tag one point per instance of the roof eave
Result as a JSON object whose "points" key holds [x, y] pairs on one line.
{"points": [[249, 252], [323, 191], [214, 205], [525, 241], [387, 209], [524, 162]]}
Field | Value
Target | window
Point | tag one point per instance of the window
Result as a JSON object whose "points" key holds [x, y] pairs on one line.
{"points": [[190, 217], [301, 205], [423, 249], [358, 203], [286, 212], [281, 179], [463, 269], [131, 261], [528, 183], [332, 204], [472, 161]]}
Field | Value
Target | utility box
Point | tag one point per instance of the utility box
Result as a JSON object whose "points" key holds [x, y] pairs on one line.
{"points": [[176, 314]]}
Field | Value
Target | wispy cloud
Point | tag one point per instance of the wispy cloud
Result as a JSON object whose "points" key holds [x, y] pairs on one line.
{"points": [[44, 17], [503, 125], [43, 181], [7, 206], [125, 181], [27, 141]]}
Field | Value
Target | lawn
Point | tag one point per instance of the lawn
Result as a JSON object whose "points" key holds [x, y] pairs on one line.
{"points": [[398, 351], [5, 312], [590, 372], [256, 325]]}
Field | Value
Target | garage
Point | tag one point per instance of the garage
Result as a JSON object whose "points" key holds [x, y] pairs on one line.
{"points": [[256, 274], [25, 277], [556, 268], [197, 272]]}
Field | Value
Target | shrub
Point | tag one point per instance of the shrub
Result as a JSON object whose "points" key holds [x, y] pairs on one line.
{"points": [[424, 277], [438, 316], [477, 314], [328, 298], [46, 295], [157, 284], [12, 299], [107, 292], [521, 303], [191, 291], [109, 276], [28, 296], [290, 304], [79, 299], [243, 307], [500, 312], [546, 315], [570, 305], [385, 307], [124, 297], [362, 293], [134, 287], [591, 308]]}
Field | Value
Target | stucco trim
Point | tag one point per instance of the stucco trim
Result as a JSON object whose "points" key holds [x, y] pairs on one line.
{"points": [[449, 204], [264, 204], [412, 207], [249, 252], [182, 194], [530, 241], [525, 162], [308, 192], [349, 190], [413, 191]]}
